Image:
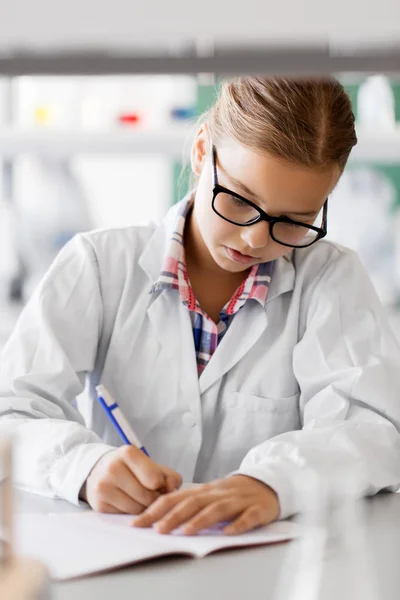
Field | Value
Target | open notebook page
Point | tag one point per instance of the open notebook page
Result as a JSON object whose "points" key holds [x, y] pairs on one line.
{"points": [[77, 544]]}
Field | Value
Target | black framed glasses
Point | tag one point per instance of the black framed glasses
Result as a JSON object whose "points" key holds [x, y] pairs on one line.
{"points": [[242, 212]]}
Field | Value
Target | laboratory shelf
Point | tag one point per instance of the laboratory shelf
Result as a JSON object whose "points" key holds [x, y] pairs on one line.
{"points": [[283, 58], [169, 142], [174, 142]]}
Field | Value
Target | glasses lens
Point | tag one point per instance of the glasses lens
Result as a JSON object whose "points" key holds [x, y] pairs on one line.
{"points": [[234, 209], [294, 235]]}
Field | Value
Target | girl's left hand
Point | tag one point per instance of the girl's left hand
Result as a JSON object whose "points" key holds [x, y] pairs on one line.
{"points": [[244, 501]]}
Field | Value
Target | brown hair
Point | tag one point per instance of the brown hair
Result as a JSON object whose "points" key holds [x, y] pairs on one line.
{"points": [[304, 121]]}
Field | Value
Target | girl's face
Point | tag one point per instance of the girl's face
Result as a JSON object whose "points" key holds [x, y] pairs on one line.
{"points": [[278, 187]]}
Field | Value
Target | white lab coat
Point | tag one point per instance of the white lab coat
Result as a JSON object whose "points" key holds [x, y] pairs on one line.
{"points": [[312, 380]]}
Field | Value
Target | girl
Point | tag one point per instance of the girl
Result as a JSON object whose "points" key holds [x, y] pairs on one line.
{"points": [[242, 346]]}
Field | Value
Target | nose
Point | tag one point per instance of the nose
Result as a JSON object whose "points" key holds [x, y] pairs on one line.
{"points": [[257, 235]]}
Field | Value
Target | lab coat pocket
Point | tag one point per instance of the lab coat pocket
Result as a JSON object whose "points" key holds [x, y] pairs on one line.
{"points": [[253, 419]]}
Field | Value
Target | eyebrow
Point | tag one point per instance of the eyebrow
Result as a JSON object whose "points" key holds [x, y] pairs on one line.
{"points": [[247, 191]]}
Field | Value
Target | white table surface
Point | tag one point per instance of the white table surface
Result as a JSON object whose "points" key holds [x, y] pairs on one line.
{"points": [[236, 574]]}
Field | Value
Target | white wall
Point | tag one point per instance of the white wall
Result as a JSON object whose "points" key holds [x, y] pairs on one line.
{"points": [[94, 23]]}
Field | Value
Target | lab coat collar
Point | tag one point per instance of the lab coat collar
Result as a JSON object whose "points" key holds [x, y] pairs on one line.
{"points": [[283, 277], [152, 257]]}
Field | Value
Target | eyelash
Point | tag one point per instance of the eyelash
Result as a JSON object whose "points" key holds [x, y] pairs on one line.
{"points": [[237, 201], [294, 225]]}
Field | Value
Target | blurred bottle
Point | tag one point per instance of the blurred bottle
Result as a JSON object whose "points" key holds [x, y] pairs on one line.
{"points": [[20, 578], [43, 116], [361, 218], [332, 558], [376, 104], [47, 103], [129, 119], [183, 113], [8, 248], [51, 208]]}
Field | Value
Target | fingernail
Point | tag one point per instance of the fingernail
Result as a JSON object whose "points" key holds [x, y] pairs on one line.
{"points": [[160, 527], [229, 531], [187, 530]]}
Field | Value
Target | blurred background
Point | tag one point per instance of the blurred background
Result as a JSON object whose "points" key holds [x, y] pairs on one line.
{"points": [[84, 152], [83, 146]]}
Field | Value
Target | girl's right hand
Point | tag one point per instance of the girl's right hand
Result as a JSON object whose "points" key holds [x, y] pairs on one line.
{"points": [[125, 480]]}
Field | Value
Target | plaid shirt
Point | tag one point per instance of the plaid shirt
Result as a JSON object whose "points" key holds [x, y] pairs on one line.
{"points": [[206, 333]]}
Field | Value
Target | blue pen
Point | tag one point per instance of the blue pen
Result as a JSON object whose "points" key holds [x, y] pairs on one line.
{"points": [[117, 418]]}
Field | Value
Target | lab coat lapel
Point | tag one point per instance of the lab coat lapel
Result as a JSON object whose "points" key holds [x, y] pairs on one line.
{"points": [[164, 317], [283, 277], [172, 327], [246, 328], [170, 319], [162, 310], [189, 378]]}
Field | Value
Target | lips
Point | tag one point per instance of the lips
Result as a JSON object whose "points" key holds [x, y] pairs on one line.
{"points": [[237, 256]]}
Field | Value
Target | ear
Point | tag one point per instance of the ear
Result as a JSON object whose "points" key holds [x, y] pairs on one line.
{"points": [[200, 149]]}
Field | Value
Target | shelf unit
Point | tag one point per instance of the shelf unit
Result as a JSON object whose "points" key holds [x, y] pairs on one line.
{"points": [[169, 141], [224, 60], [173, 142]]}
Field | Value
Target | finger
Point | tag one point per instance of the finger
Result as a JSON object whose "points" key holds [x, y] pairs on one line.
{"points": [[128, 483], [181, 513], [173, 480], [252, 517], [107, 508], [219, 511], [123, 503], [161, 507], [148, 473]]}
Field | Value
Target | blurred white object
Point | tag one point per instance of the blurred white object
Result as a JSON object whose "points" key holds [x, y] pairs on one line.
{"points": [[332, 516], [305, 557], [20, 578], [6, 512], [361, 218], [24, 579], [8, 249], [50, 209], [376, 107]]}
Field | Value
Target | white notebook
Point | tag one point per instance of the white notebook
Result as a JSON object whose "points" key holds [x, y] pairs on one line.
{"points": [[78, 544]]}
